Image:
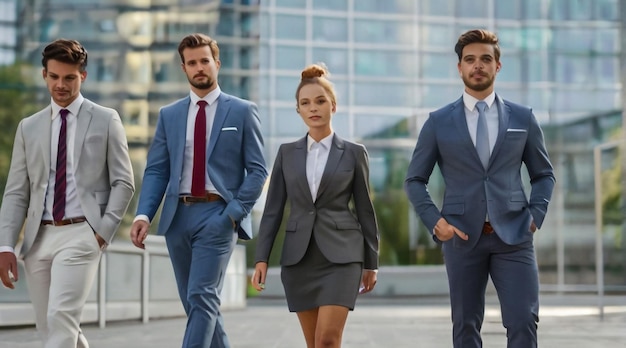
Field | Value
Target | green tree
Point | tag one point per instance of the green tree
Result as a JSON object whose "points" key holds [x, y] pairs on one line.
{"points": [[17, 94]]}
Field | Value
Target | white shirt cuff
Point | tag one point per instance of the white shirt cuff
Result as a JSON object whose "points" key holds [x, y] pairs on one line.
{"points": [[142, 217], [6, 249]]}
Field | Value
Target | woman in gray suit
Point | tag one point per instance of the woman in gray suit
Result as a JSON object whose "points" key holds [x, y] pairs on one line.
{"points": [[330, 253]]}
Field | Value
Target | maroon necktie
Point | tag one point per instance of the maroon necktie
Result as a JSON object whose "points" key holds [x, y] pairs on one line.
{"points": [[199, 152], [58, 209]]}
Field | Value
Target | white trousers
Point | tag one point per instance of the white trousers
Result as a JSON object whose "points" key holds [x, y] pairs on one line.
{"points": [[60, 269]]}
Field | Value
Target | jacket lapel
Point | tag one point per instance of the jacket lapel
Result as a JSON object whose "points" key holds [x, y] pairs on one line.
{"points": [[223, 107], [299, 164], [334, 156], [460, 121], [45, 136], [82, 123], [179, 127], [504, 113]]}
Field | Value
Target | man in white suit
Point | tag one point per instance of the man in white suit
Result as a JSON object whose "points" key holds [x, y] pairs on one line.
{"points": [[69, 186]]}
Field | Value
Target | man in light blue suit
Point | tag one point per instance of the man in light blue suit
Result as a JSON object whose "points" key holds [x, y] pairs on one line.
{"points": [[486, 223], [206, 158]]}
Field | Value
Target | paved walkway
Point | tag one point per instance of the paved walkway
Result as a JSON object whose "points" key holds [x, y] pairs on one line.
{"points": [[570, 321]]}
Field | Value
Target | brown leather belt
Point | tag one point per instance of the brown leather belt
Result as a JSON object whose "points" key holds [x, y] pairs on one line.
{"points": [[69, 221], [209, 197], [487, 228]]}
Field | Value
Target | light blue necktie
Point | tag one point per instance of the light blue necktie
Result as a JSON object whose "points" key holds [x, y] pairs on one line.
{"points": [[482, 134]]}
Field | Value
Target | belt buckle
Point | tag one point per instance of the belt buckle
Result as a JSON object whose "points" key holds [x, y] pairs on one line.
{"points": [[185, 201]]}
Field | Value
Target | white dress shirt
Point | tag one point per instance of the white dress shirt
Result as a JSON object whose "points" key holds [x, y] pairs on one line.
{"points": [[211, 99], [316, 158], [491, 114]]}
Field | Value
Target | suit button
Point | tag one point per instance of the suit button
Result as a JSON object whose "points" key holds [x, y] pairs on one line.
{"points": [[311, 212]]}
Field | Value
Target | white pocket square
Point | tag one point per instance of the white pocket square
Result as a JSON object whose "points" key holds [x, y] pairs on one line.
{"points": [[516, 130], [229, 129]]}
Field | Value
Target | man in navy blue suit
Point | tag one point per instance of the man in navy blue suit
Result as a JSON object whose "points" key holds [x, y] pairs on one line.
{"points": [[486, 222], [207, 160]]}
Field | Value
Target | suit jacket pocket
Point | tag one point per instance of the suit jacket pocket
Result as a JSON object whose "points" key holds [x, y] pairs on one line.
{"points": [[453, 205], [518, 201], [347, 225], [291, 226]]}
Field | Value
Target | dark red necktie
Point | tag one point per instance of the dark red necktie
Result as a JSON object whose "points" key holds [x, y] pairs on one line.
{"points": [[199, 152], [60, 184]]}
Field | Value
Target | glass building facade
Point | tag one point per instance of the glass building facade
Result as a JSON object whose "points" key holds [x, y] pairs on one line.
{"points": [[393, 62], [8, 28]]}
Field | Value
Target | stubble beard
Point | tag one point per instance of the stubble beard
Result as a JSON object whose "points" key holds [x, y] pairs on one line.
{"points": [[202, 85], [480, 86]]}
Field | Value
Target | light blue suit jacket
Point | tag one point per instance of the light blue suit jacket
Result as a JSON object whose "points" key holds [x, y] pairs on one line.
{"points": [[472, 192], [235, 161]]}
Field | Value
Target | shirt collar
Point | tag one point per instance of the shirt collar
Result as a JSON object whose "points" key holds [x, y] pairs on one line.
{"points": [[74, 107], [470, 102], [326, 142], [209, 98]]}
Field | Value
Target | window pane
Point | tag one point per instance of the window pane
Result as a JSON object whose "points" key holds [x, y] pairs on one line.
{"points": [[509, 9], [536, 70], [380, 126], [289, 3], [607, 40], [336, 59], [607, 70], [382, 63], [388, 32], [573, 69], [573, 40], [341, 124], [385, 6], [340, 5], [474, 8], [436, 96], [509, 38], [558, 9], [580, 9], [384, 94], [511, 68], [534, 38], [532, 9], [330, 29], [290, 57], [290, 27], [439, 65], [286, 88], [437, 7], [606, 9], [288, 123], [438, 35]]}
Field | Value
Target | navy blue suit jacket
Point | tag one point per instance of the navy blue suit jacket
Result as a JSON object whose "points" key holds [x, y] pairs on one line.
{"points": [[471, 191]]}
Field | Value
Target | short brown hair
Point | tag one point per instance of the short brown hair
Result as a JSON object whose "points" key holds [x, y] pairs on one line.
{"points": [[317, 74], [65, 51], [198, 40], [477, 36]]}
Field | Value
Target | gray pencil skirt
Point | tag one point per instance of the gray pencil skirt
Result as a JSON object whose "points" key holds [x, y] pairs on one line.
{"points": [[315, 282]]}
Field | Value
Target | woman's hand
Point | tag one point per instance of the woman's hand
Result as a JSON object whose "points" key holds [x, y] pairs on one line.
{"points": [[258, 278]]}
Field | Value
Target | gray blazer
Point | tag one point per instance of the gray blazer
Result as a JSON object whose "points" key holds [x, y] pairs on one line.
{"points": [[104, 176], [471, 191], [341, 235]]}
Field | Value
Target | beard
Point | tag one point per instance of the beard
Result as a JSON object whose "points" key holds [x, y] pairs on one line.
{"points": [[202, 85], [479, 86]]}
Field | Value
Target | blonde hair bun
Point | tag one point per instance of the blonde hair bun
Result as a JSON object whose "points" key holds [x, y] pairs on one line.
{"points": [[315, 70]]}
